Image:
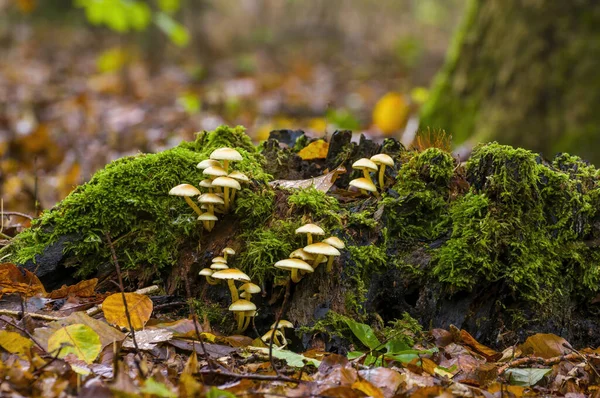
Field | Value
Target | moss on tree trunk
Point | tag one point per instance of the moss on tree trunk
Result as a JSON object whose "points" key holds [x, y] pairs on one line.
{"points": [[524, 73]]}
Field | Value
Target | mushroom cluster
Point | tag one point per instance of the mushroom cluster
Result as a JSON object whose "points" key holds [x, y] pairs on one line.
{"points": [[241, 306], [377, 163], [220, 184], [275, 334], [307, 259]]}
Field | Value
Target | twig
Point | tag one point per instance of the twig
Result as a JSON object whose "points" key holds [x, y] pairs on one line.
{"points": [[121, 286], [19, 314], [568, 347], [542, 361], [285, 299], [16, 213], [250, 376], [167, 305]]}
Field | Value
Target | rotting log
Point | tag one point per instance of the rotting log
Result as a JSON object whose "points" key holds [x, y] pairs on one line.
{"points": [[503, 246]]}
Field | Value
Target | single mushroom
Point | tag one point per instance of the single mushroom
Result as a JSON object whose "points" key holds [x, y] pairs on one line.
{"points": [[219, 259], [302, 255], [240, 308], [210, 199], [226, 155], [338, 244], [321, 250], [294, 265], [282, 325], [382, 160], [208, 220], [218, 266], [364, 185], [310, 230], [207, 272], [206, 184], [206, 163], [272, 334], [231, 275], [227, 183], [248, 289], [187, 191], [366, 165], [228, 251], [240, 177]]}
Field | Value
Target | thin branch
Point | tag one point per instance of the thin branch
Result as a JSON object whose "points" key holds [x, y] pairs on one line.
{"points": [[26, 332], [285, 298], [19, 314], [16, 213], [250, 376], [543, 361]]}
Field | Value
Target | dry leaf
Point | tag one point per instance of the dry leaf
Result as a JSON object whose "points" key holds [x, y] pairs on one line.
{"points": [[545, 346], [15, 343], [315, 150], [138, 305], [367, 388], [148, 339], [322, 183], [82, 289], [14, 279], [486, 352]]}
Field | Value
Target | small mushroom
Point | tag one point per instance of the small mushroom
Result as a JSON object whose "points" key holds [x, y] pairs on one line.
{"points": [[208, 220], [321, 250], [187, 191], [206, 184], [294, 265], [231, 275], [302, 255], [248, 289], [364, 185], [206, 163], [240, 177], [228, 251], [242, 307], [210, 199], [226, 155], [207, 272], [214, 172], [282, 325], [218, 266], [227, 183], [382, 160], [310, 230], [338, 244], [273, 334], [366, 165], [219, 259]]}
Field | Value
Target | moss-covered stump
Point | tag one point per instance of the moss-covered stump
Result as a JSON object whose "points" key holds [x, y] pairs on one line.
{"points": [[503, 246]]}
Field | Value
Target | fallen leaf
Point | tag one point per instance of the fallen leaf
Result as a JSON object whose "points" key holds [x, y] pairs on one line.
{"points": [[148, 339], [387, 380], [545, 345], [315, 150], [15, 279], [367, 388], [390, 113], [526, 377], [82, 289], [486, 352], [155, 388], [322, 183], [290, 357], [138, 305], [15, 343], [77, 339]]}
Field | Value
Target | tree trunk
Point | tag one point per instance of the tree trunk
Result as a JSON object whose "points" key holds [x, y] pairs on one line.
{"points": [[523, 72]]}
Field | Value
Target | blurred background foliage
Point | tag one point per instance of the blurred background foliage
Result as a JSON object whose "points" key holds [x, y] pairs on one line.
{"points": [[83, 82]]}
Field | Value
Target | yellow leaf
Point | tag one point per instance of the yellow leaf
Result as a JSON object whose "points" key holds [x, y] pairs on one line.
{"points": [[82, 289], [77, 339], [315, 150], [139, 306], [14, 342], [390, 113], [369, 389]]}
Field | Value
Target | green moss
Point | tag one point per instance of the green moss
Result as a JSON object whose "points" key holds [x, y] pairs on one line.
{"points": [[254, 208], [405, 329], [129, 199], [420, 210], [522, 224], [364, 262], [213, 312], [362, 219], [317, 205], [332, 324]]}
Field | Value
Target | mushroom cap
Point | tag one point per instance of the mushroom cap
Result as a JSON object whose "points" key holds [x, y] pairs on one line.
{"points": [[382, 158], [218, 266], [335, 242], [215, 171], [206, 163], [250, 288], [231, 273], [238, 175], [322, 248], [211, 198], [226, 182], [267, 336], [310, 229], [226, 154], [294, 263], [242, 305], [206, 183], [206, 272], [283, 324], [363, 183], [364, 163], [302, 255], [207, 217], [219, 259], [184, 190], [229, 251]]}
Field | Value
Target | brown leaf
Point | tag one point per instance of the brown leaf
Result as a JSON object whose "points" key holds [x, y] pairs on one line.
{"points": [[545, 346], [322, 183], [138, 306], [82, 289], [486, 352], [367, 388], [387, 380], [14, 279], [341, 392], [147, 339]]}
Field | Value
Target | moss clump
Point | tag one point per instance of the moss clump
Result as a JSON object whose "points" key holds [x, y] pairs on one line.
{"points": [[332, 324], [420, 210], [362, 219], [364, 262], [405, 329], [523, 224], [254, 207], [129, 199], [317, 205]]}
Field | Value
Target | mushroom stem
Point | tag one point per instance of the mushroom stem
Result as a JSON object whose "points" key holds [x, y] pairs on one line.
{"points": [[317, 261], [233, 291], [330, 264], [381, 175], [364, 192], [309, 238], [193, 205], [246, 323], [226, 198], [211, 210], [226, 165], [232, 196], [295, 277], [367, 175], [275, 338], [240, 320], [211, 281]]}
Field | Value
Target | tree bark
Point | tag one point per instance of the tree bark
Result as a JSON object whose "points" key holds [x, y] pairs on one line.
{"points": [[524, 73]]}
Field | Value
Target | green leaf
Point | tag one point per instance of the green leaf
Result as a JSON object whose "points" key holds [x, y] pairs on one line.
{"points": [[404, 357], [176, 31], [77, 339], [526, 377], [214, 392], [396, 346], [158, 389], [354, 354], [169, 6], [364, 333], [290, 357]]}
